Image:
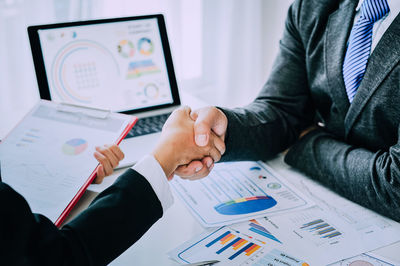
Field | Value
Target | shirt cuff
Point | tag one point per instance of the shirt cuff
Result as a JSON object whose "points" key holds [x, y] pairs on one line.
{"points": [[149, 167]]}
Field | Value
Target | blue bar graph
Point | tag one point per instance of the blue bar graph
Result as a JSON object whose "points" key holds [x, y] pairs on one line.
{"points": [[227, 246], [240, 251], [218, 238]]}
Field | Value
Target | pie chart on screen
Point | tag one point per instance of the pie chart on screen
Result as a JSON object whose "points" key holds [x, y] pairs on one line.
{"points": [[74, 146]]}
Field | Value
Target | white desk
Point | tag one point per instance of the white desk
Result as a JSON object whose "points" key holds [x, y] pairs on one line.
{"points": [[178, 225]]}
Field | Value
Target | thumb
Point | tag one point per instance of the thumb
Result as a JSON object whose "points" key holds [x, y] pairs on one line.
{"points": [[206, 119]]}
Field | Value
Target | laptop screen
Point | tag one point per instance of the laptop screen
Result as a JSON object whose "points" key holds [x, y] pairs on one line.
{"points": [[114, 65]]}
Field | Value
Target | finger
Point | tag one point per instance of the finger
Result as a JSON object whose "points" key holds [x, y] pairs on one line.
{"points": [[202, 173], [184, 109], [209, 118], [109, 155], [219, 144], [208, 161], [194, 115], [215, 155], [100, 175], [190, 169], [117, 151], [108, 169]]}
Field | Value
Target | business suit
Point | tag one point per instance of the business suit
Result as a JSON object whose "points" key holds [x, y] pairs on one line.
{"points": [[357, 150], [115, 220]]}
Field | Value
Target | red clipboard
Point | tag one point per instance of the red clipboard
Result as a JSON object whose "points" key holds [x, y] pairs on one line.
{"points": [[82, 190]]}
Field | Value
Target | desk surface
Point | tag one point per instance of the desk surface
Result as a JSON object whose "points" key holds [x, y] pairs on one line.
{"points": [[178, 225]]}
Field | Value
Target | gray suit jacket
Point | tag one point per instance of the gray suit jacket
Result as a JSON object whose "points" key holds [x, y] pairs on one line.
{"points": [[357, 152]]}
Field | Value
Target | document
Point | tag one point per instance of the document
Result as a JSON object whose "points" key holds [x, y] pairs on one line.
{"points": [[305, 237], [366, 259], [238, 191], [240, 244], [370, 226], [329, 232], [48, 158]]}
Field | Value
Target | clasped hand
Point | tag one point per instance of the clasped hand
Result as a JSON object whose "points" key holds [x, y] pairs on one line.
{"points": [[190, 144], [179, 151]]}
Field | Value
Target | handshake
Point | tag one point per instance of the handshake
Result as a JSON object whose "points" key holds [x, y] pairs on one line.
{"points": [[191, 142]]}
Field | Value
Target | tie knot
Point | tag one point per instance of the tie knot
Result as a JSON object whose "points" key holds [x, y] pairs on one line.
{"points": [[373, 10]]}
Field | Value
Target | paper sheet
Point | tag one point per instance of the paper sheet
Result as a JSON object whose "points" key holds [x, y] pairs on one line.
{"points": [[48, 157], [370, 226], [366, 259], [238, 244], [306, 237], [238, 191], [332, 230]]}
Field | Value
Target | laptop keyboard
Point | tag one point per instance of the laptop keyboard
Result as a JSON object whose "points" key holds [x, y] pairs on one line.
{"points": [[148, 125]]}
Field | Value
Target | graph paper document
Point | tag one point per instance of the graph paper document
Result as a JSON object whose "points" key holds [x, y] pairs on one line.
{"points": [[236, 192], [48, 158]]}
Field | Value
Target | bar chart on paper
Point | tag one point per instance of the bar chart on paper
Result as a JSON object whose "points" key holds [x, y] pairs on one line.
{"points": [[225, 244], [240, 244], [239, 191]]}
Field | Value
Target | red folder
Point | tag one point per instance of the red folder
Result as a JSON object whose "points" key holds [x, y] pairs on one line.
{"points": [[82, 190]]}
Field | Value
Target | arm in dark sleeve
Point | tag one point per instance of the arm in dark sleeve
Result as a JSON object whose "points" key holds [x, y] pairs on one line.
{"points": [[283, 108], [115, 220], [372, 179]]}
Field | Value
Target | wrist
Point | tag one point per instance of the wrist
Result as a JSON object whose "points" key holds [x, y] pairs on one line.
{"points": [[165, 157]]}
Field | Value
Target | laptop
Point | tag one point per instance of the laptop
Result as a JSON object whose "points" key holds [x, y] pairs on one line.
{"points": [[120, 64]]}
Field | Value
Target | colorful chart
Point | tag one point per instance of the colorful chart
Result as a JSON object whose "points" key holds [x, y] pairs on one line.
{"points": [[77, 69], [258, 229], [74, 146], [126, 48], [151, 91], [321, 229], [141, 68], [239, 245], [146, 46], [246, 205]]}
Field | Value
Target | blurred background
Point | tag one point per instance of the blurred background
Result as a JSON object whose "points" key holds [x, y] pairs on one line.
{"points": [[222, 50]]}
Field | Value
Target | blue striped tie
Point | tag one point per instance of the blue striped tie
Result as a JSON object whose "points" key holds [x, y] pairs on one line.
{"points": [[359, 46]]}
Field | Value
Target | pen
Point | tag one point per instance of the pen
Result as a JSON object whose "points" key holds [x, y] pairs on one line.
{"points": [[204, 263]]}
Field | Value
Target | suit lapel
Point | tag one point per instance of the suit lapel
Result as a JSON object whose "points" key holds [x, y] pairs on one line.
{"points": [[338, 29], [382, 60]]}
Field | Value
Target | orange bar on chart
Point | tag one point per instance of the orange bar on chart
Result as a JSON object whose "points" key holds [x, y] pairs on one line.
{"points": [[252, 250], [239, 244], [225, 237], [229, 238]]}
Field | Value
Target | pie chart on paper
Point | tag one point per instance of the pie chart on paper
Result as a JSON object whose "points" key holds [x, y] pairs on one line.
{"points": [[74, 146], [245, 205]]}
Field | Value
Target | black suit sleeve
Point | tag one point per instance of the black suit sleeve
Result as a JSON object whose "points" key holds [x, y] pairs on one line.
{"points": [[372, 179], [115, 220]]}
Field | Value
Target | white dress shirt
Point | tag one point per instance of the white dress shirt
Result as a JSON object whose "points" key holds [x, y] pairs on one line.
{"points": [[151, 169], [383, 24], [154, 174]]}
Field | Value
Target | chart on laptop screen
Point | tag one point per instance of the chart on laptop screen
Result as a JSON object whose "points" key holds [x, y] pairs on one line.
{"points": [[117, 65]]}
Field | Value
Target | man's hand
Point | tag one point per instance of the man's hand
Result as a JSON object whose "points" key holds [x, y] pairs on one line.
{"points": [[109, 157], [177, 143], [208, 121]]}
